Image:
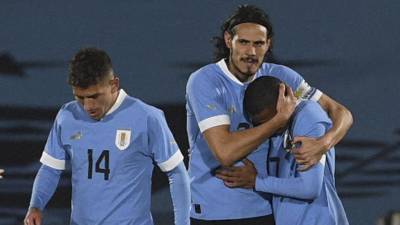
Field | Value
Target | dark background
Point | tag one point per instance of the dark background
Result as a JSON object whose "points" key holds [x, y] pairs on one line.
{"points": [[348, 49]]}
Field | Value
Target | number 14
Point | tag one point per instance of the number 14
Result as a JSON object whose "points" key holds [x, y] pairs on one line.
{"points": [[105, 155]]}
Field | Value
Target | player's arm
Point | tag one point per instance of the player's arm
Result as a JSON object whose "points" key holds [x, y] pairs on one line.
{"points": [[44, 186], [307, 185], [312, 149], [180, 193], [229, 147], [53, 159], [166, 153]]}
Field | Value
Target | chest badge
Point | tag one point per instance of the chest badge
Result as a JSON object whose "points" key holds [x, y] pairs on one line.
{"points": [[123, 139]]}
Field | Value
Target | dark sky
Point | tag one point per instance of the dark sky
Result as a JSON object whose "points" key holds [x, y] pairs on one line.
{"points": [[353, 44], [150, 42]]}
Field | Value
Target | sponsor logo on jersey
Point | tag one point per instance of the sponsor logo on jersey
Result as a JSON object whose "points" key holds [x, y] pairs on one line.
{"points": [[123, 139], [76, 136], [212, 107]]}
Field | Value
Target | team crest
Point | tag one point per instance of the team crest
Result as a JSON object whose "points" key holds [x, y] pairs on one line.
{"points": [[123, 139]]}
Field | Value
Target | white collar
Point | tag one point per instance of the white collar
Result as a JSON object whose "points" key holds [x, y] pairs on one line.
{"points": [[224, 68], [121, 96]]}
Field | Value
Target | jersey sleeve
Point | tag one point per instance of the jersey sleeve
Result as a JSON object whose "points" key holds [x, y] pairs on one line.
{"points": [[54, 155], [306, 184], [162, 145], [44, 186], [205, 100], [179, 184], [299, 86]]}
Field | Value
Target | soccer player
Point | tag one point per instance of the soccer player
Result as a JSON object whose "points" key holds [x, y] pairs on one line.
{"points": [[305, 197], [110, 140], [219, 134]]}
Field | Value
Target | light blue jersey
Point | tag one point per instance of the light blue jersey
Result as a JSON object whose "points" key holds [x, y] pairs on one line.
{"points": [[111, 159], [214, 97], [303, 198]]}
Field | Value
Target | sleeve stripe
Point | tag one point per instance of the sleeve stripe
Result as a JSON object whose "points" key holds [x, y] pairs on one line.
{"points": [[305, 91], [52, 162], [213, 122], [316, 96], [172, 162]]}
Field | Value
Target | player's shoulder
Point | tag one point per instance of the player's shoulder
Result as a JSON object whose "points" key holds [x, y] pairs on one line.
{"points": [[142, 108], [276, 70], [309, 113], [207, 73], [272, 66], [69, 110]]}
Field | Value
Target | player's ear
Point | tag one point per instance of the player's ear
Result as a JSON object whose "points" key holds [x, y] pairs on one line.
{"points": [[115, 84], [228, 39], [269, 42]]}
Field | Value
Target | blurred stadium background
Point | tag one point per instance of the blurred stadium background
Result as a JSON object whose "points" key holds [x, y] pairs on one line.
{"points": [[348, 49]]}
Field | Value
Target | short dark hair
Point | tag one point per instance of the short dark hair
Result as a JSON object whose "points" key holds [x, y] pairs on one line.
{"points": [[89, 66], [243, 14], [262, 93]]}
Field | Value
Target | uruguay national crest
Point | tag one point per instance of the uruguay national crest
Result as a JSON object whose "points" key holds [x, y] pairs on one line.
{"points": [[123, 139]]}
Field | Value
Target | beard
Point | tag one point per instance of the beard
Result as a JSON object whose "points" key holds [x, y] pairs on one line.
{"points": [[250, 66], [244, 67]]}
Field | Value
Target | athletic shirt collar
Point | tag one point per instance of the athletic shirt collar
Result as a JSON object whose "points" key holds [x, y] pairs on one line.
{"points": [[222, 65], [121, 96]]}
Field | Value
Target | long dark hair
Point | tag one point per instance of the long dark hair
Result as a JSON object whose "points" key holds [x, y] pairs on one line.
{"points": [[243, 14]]}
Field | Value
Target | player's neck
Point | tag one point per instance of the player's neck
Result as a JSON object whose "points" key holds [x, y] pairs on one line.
{"points": [[115, 97], [113, 102]]}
